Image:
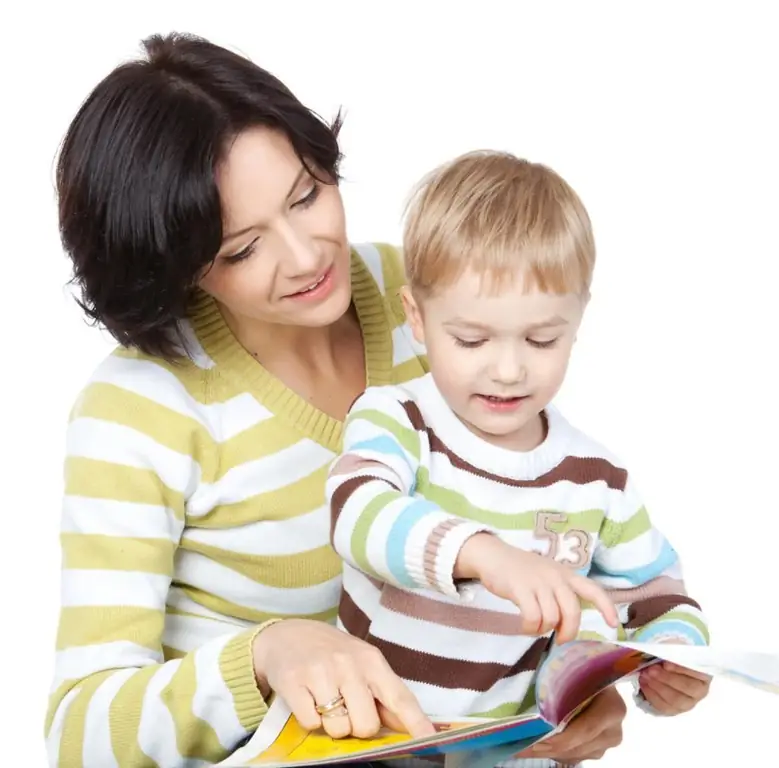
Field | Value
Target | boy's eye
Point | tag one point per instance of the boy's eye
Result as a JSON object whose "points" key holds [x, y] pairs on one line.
{"points": [[542, 344], [468, 343]]}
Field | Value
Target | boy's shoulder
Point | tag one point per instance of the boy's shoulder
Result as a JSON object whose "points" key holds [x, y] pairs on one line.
{"points": [[585, 446], [395, 400]]}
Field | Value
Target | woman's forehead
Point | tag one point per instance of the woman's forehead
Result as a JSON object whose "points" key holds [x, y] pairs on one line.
{"points": [[258, 176]]}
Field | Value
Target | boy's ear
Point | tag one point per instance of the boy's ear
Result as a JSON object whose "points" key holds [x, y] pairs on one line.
{"points": [[585, 304], [413, 314]]}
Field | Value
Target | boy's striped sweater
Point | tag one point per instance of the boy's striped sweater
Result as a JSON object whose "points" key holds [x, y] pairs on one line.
{"points": [[422, 483]]}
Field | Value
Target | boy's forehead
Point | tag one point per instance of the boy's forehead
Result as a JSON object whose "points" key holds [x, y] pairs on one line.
{"points": [[473, 302]]}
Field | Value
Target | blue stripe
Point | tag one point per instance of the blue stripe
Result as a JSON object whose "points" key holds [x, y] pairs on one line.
{"points": [[380, 444], [398, 537], [669, 627], [642, 575]]}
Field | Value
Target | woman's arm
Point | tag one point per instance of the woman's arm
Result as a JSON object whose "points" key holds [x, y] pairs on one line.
{"points": [[135, 451]]}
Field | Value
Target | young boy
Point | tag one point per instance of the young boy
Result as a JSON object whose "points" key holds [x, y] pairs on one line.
{"points": [[474, 520]]}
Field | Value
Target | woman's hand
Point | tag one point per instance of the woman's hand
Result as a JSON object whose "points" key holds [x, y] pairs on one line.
{"points": [[310, 664], [589, 735]]}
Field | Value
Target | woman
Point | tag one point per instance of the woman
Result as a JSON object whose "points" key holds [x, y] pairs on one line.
{"points": [[199, 203]]}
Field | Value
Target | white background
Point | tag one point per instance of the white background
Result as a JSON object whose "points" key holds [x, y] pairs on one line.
{"points": [[662, 115]]}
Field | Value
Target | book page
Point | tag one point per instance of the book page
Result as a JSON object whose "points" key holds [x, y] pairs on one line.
{"points": [[574, 673], [752, 668]]}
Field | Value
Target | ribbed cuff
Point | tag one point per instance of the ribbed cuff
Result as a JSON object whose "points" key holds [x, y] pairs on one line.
{"points": [[442, 551], [236, 664]]}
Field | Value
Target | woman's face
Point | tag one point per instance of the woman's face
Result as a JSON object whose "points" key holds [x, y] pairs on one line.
{"points": [[284, 257]]}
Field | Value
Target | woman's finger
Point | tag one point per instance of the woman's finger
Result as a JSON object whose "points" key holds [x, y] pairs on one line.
{"points": [[330, 703], [590, 734], [396, 700], [301, 704], [361, 705]]}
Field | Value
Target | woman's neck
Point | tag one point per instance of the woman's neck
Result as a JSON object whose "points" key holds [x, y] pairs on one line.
{"points": [[311, 349]]}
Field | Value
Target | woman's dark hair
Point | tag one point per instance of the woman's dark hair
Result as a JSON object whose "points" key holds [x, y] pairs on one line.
{"points": [[139, 209]]}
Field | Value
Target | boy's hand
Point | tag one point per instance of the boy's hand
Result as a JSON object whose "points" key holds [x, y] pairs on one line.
{"points": [[547, 593], [671, 689]]}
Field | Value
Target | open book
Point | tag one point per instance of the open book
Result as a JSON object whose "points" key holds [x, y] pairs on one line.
{"points": [[566, 682]]}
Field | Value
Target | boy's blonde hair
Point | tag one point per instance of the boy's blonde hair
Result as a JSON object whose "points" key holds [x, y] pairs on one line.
{"points": [[503, 217]]}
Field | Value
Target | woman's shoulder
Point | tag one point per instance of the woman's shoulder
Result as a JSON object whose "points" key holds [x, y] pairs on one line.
{"points": [[135, 388], [385, 263]]}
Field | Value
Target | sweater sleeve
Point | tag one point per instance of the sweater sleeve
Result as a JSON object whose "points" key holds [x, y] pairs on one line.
{"points": [[379, 526], [643, 573], [135, 453]]}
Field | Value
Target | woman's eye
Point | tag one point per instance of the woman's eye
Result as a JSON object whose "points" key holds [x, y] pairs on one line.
{"points": [[242, 254], [309, 198]]}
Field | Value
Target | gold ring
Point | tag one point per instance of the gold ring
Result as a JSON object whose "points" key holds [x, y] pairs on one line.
{"points": [[341, 711], [336, 703]]}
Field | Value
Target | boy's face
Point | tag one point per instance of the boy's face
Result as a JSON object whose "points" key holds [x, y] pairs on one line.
{"points": [[498, 358]]}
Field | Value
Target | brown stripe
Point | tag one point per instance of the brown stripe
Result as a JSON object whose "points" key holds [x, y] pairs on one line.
{"points": [[355, 622], [455, 673], [342, 494], [662, 585], [433, 545], [418, 606], [574, 469], [642, 612], [414, 415]]}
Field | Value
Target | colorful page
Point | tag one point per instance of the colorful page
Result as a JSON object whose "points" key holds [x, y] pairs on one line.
{"points": [[574, 673], [281, 741]]}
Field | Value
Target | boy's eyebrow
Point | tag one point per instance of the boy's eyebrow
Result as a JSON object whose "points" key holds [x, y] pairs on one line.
{"points": [[551, 322]]}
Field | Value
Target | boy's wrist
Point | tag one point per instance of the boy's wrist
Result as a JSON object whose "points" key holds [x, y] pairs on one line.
{"points": [[473, 554]]}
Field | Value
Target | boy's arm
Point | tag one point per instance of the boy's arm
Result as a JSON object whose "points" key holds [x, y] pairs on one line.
{"points": [[377, 524], [643, 573]]}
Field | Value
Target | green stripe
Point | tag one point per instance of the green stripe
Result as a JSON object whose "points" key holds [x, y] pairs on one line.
{"points": [[614, 534], [228, 608], [588, 520], [72, 745], [363, 527], [510, 708], [407, 437], [296, 571], [684, 617]]}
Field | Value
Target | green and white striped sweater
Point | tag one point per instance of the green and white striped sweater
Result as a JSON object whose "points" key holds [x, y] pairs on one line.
{"points": [[194, 511]]}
